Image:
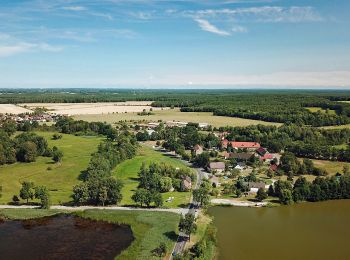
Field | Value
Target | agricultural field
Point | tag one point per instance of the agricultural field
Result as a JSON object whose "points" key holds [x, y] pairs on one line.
{"points": [[13, 109], [128, 170], [175, 114], [61, 178], [93, 108], [332, 167]]}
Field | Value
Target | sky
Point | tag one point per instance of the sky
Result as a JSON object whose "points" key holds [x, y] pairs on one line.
{"points": [[175, 44]]}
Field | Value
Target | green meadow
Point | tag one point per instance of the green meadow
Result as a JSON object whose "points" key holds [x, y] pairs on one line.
{"points": [[61, 178]]}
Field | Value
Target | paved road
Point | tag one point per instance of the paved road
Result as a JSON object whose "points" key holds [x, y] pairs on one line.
{"points": [[182, 211]]}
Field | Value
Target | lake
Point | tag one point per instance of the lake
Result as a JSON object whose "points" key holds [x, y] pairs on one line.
{"points": [[302, 231], [62, 237]]}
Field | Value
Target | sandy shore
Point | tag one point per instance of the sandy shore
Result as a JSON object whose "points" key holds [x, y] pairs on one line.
{"points": [[238, 203]]}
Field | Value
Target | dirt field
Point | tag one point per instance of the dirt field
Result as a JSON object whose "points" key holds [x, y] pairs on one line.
{"points": [[13, 109], [94, 108], [175, 114]]}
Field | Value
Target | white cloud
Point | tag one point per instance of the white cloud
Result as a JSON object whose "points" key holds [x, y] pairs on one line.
{"points": [[74, 8], [207, 26], [13, 48], [239, 29]]}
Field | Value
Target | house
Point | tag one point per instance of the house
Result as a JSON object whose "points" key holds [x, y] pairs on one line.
{"points": [[240, 145], [255, 186], [241, 156], [240, 166], [186, 184], [218, 167], [197, 149], [261, 151], [268, 157], [203, 125], [273, 167]]}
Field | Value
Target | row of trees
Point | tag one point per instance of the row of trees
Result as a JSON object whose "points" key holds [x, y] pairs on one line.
{"points": [[335, 187], [99, 186], [29, 191]]}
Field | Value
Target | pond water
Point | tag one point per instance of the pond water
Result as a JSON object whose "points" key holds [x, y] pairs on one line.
{"points": [[62, 237], [303, 231]]}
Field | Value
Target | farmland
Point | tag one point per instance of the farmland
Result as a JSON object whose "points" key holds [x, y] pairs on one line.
{"points": [[175, 114], [93, 108], [12, 109]]}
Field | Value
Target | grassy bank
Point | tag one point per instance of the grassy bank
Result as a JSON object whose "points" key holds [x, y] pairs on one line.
{"points": [[149, 228], [61, 178], [175, 114], [128, 170]]}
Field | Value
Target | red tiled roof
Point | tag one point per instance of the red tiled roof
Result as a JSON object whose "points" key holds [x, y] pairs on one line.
{"points": [[274, 167], [245, 145]]}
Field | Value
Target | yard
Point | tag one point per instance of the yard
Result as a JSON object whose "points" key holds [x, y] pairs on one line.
{"points": [[175, 114], [128, 170], [61, 179]]}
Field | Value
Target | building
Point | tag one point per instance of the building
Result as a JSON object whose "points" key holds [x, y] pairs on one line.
{"points": [[217, 167], [203, 125], [214, 180], [255, 186], [186, 184], [261, 151], [253, 146], [197, 149], [241, 156]]}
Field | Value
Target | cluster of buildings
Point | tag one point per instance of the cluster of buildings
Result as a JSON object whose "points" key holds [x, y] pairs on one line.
{"points": [[20, 118], [174, 123]]}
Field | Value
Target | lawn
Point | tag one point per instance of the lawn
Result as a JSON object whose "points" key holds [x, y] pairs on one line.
{"points": [[61, 179], [149, 228], [128, 170], [175, 114]]}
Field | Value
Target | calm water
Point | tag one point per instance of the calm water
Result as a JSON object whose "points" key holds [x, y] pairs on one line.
{"points": [[303, 231], [62, 237]]}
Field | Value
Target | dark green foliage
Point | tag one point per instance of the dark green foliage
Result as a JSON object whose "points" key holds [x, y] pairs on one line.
{"points": [[161, 250], [27, 191], [261, 194], [187, 224], [42, 193], [57, 154]]}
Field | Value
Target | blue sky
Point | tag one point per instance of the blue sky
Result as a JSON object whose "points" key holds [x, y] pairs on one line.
{"points": [[184, 43]]}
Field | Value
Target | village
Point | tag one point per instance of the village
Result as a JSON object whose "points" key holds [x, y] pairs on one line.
{"points": [[236, 170]]}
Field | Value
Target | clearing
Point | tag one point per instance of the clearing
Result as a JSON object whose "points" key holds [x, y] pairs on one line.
{"points": [[128, 170], [61, 179], [320, 109], [177, 115]]}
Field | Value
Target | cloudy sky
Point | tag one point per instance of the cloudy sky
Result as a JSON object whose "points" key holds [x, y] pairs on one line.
{"points": [[183, 43]]}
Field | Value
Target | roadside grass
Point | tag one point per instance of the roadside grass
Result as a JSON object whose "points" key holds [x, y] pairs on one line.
{"points": [[175, 114], [149, 228], [22, 214], [128, 170], [61, 179]]}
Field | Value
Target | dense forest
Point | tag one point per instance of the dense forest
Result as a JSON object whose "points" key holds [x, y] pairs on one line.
{"points": [[267, 105]]}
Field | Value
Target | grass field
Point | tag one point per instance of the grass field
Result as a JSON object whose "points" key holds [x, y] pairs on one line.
{"points": [[330, 166], [336, 126], [175, 114], [149, 228], [61, 179], [127, 172], [317, 109]]}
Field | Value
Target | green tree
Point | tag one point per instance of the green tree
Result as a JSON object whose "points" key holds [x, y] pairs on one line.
{"points": [[141, 196], [103, 196], [157, 199], [286, 197], [27, 191], [202, 196], [57, 154], [187, 224], [27, 152], [80, 194], [42, 193], [165, 184], [261, 194]]}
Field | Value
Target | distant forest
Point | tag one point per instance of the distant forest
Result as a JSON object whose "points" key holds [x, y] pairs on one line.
{"points": [[283, 106]]}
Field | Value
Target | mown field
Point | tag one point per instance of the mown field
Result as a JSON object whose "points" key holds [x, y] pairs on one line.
{"points": [[175, 114], [61, 179], [128, 170], [149, 228]]}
